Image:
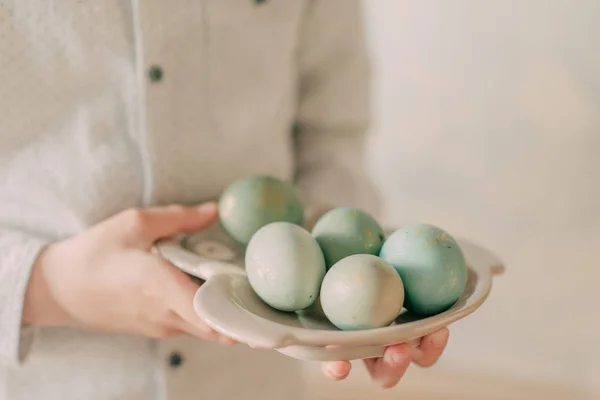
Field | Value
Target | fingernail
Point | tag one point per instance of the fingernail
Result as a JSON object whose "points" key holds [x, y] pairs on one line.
{"points": [[439, 339], [335, 374]]}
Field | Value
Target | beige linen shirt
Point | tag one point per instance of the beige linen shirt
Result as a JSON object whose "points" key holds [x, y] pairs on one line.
{"points": [[111, 104]]}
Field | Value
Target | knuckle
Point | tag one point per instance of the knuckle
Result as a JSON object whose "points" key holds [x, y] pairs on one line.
{"points": [[158, 326], [163, 317], [134, 218], [159, 321]]}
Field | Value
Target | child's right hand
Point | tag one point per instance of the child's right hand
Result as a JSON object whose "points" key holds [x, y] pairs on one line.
{"points": [[107, 279]]}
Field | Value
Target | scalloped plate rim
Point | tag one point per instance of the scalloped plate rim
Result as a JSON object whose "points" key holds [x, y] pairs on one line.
{"points": [[271, 334]]}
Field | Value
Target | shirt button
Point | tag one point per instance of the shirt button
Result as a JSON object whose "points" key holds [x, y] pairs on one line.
{"points": [[175, 359], [155, 73]]}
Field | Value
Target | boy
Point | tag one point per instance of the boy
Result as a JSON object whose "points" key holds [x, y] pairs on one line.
{"points": [[119, 119]]}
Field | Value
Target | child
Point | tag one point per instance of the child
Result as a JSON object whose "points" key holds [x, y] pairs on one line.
{"points": [[121, 121]]}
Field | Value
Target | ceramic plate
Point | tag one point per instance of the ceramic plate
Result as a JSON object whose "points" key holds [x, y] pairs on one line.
{"points": [[229, 305]]}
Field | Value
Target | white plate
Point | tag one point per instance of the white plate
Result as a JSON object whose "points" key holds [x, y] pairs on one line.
{"points": [[228, 304]]}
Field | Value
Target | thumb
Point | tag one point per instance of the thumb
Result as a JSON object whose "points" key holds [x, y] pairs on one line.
{"points": [[148, 225]]}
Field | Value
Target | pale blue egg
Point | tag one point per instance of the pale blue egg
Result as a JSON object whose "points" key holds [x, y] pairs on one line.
{"points": [[285, 266], [252, 202], [345, 231], [431, 264], [362, 291]]}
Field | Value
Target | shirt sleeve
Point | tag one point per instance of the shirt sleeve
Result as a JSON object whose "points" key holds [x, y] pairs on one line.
{"points": [[333, 109], [18, 252]]}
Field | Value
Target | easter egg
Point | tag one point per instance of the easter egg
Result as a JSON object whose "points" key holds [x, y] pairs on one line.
{"points": [[362, 291], [345, 231], [250, 203], [285, 266], [431, 264]]}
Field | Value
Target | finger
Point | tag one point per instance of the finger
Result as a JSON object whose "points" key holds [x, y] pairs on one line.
{"points": [[168, 221], [431, 348], [227, 340], [389, 369], [158, 333], [205, 332], [336, 370], [145, 226], [181, 298]]}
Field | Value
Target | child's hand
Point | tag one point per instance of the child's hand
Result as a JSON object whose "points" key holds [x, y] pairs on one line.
{"points": [[106, 279], [388, 370]]}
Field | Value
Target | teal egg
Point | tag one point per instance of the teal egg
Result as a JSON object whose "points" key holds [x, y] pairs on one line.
{"points": [[431, 264], [362, 291], [285, 266], [250, 203], [345, 231]]}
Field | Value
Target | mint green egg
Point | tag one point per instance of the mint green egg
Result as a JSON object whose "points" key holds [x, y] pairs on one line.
{"points": [[431, 264], [360, 292], [250, 203], [285, 266], [345, 231]]}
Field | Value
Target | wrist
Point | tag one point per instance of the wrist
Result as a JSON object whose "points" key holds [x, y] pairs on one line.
{"points": [[40, 306]]}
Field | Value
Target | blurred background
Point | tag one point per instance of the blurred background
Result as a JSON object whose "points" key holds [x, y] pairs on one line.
{"points": [[487, 123]]}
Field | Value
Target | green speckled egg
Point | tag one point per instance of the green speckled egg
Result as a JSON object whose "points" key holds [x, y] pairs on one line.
{"points": [[344, 231], [362, 292], [285, 266], [431, 264], [249, 204]]}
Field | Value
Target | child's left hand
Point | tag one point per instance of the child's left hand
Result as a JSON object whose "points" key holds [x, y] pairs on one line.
{"points": [[389, 369]]}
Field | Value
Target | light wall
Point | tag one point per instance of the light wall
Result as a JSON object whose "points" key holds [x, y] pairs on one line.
{"points": [[488, 124]]}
